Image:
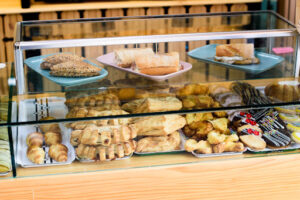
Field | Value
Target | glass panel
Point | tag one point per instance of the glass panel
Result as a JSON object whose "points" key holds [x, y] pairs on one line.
{"points": [[119, 27]]}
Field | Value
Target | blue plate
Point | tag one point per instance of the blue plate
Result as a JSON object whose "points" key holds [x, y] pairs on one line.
{"points": [[35, 62], [267, 61]]}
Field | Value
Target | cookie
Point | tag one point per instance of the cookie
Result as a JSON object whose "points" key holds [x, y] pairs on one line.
{"points": [[253, 142]]}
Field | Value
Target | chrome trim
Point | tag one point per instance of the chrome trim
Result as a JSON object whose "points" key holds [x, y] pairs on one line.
{"points": [[19, 69], [155, 39], [18, 32], [297, 67]]}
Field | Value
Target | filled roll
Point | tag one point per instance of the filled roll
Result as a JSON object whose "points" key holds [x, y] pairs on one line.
{"points": [[125, 57], [158, 64]]}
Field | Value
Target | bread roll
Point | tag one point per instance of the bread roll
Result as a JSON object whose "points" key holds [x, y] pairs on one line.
{"points": [[35, 139], [125, 57], [52, 138], [157, 64], [58, 152], [36, 154], [239, 49]]}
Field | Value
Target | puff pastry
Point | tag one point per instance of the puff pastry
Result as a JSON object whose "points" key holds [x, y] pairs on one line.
{"points": [[35, 139], [52, 138], [105, 153], [158, 144], [58, 152], [36, 154], [104, 135], [158, 125]]}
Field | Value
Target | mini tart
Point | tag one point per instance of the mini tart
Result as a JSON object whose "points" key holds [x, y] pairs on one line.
{"points": [[289, 118], [286, 110], [292, 127], [296, 136]]}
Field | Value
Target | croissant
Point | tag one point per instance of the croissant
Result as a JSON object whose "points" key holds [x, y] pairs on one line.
{"points": [[52, 138], [35, 139], [36, 154], [105, 135], [58, 152], [104, 153]]}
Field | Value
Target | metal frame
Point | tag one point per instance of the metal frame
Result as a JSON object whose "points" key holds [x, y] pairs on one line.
{"points": [[29, 45]]}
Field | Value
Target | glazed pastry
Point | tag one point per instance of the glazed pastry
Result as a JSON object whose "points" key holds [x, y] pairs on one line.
{"points": [[59, 58], [103, 153], [74, 69], [214, 137], [5, 161], [105, 135], [292, 127], [286, 110], [49, 127], [234, 147], [197, 101], [52, 138], [218, 148], [159, 144], [254, 142], [204, 147], [158, 125], [126, 57], [282, 92], [36, 154], [192, 89], [58, 152], [296, 137], [160, 104], [35, 139], [294, 119], [220, 124], [106, 99]]}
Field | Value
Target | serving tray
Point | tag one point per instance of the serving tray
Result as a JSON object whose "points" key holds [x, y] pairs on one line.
{"points": [[35, 62], [208, 52], [291, 147], [109, 59]]}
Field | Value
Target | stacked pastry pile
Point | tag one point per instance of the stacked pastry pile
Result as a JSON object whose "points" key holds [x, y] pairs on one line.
{"points": [[100, 139], [283, 92], [51, 138], [5, 160], [196, 96], [210, 134], [104, 142], [69, 65], [159, 133], [145, 61]]}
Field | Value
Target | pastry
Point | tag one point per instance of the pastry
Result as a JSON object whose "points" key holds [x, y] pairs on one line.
{"points": [[282, 92], [52, 138], [35, 139], [214, 137], [197, 101], [159, 144], [126, 57], [254, 142], [158, 64], [158, 125], [5, 161], [204, 147], [58, 152], [36, 154], [220, 124], [49, 127], [287, 110], [234, 147], [192, 89], [296, 137], [74, 69], [160, 104], [237, 53], [104, 135], [103, 153], [292, 127], [59, 58]]}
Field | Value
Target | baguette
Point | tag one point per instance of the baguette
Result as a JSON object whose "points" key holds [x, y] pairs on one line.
{"points": [[125, 57], [157, 64]]}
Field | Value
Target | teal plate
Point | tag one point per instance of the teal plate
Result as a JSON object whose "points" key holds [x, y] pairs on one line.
{"points": [[208, 52], [35, 62]]}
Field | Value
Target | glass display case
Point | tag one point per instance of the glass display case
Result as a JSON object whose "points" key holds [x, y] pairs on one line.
{"points": [[120, 93]]}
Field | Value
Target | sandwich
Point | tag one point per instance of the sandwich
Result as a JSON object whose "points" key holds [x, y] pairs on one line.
{"points": [[125, 57], [158, 64], [239, 54]]}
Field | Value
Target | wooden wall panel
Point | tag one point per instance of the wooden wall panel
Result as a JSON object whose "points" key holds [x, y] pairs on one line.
{"points": [[93, 29], [297, 20], [217, 73], [172, 26], [159, 28], [239, 21], [9, 47], [2, 46], [9, 24], [138, 27]]}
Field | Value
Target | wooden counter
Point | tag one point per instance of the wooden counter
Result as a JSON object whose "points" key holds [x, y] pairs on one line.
{"points": [[268, 177]]}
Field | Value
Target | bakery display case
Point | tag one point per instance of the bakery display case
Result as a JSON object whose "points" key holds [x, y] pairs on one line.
{"points": [[167, 91]]}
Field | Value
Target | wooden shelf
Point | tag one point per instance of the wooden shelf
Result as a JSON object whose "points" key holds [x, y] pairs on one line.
{"points": [[267, 177], [43, 7]]}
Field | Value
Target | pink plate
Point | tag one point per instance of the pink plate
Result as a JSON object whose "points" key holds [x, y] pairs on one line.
{"points": [[108, 59]]}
